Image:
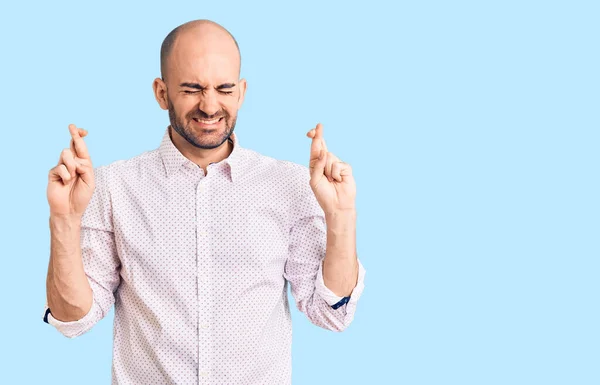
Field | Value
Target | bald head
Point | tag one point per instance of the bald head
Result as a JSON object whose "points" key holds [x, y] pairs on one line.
{"points": [[198, 34]]}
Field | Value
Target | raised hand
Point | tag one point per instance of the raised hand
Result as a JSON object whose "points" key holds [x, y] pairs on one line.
{"points": [[71, 182], [330, 179]]}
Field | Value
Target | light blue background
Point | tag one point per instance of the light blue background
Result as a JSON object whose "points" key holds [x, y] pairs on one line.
{"points": [[472, 128]]}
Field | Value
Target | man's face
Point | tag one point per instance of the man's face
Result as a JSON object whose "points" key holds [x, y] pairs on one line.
{"points": [[199, 127], [204, 91]]}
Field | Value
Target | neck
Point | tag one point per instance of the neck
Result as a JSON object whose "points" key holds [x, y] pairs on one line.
{"points": [[201, 157]]}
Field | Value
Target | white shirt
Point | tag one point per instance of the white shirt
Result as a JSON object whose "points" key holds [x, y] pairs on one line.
{"points": [[197, 267]]}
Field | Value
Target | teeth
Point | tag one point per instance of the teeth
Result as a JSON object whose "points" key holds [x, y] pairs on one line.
{"points": [[207, 121]]}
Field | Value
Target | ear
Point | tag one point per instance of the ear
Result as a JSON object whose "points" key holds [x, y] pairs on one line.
{"points": [[160, 93], [242, 87]]}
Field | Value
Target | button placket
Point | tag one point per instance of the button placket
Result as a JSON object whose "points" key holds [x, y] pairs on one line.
{"points": [[203, 273]]}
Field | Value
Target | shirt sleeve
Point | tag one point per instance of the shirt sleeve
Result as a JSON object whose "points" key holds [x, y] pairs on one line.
{"points": [[100, 260], [329, 296], [303, 268]]}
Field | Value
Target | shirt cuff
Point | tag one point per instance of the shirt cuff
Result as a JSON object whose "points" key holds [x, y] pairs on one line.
{"points": [[329, 296], [72, 328]]}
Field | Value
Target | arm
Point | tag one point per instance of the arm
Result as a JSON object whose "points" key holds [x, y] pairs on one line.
{"points": [[99, 263], [340, 267], [68, 291], [334, 187], [309, 245], [83, 270]]}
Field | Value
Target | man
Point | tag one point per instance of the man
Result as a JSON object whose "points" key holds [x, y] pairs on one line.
{"points": [[195, 242]]}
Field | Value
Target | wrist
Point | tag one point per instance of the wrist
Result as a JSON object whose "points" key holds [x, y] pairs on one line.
{"points": [[346, 213], [340, 224], [340, 216], [62, 226], [66, 218]]}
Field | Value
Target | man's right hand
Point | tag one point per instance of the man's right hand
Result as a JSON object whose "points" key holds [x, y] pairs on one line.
{"points": [[71, 182]]}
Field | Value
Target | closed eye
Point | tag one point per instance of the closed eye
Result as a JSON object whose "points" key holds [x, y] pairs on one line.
{"points": [[195, 92]]}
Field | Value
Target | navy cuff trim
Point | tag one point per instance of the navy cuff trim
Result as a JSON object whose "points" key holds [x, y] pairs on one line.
{"points": [[46, 315], [342, 302]]}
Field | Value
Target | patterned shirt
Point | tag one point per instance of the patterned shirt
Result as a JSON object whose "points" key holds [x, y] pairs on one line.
{"points": [[197, 266]]}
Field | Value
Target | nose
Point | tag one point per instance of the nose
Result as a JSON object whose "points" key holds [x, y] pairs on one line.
{"points": [[209, 104]]}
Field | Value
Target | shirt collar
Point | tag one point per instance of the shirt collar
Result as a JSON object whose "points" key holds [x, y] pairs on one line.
{"points": [[173, 159]]}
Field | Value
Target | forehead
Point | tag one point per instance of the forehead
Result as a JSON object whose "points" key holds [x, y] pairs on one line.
{"points": [[204, 61]]}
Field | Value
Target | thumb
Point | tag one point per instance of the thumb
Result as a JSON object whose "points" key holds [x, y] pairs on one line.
{"points": [[318, 168], [85, 171]]}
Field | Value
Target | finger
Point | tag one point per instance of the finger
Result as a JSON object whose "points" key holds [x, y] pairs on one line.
{"points": [[85, 170], [319, 135], [336, 171], [75, 142], [315, 146], [331, 159], [318, 143], [72, 128], [83, 133], [67, 158], [327, 168], [323, 145], [79, 147], [319, 131], [346, 170], [312, 163], [83, 161], [318, 167], [61, 173]]}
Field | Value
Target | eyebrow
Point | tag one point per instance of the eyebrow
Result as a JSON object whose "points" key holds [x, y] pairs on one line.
{"points": [[226, 85], [199, 87]]}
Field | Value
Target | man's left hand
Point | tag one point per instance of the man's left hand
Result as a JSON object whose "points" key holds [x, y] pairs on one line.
{"points": [[330, 179]]}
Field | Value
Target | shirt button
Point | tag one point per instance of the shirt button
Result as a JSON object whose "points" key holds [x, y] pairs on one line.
{"points": [[202, 233], [201, 188], [204, 374], [204, 326]]}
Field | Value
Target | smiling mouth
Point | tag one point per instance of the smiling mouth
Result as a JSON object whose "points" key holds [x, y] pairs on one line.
{"points": [[208, 122]]}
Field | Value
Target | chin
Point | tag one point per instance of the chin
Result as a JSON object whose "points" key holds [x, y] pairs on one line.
{"points": [[207, 139]]}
